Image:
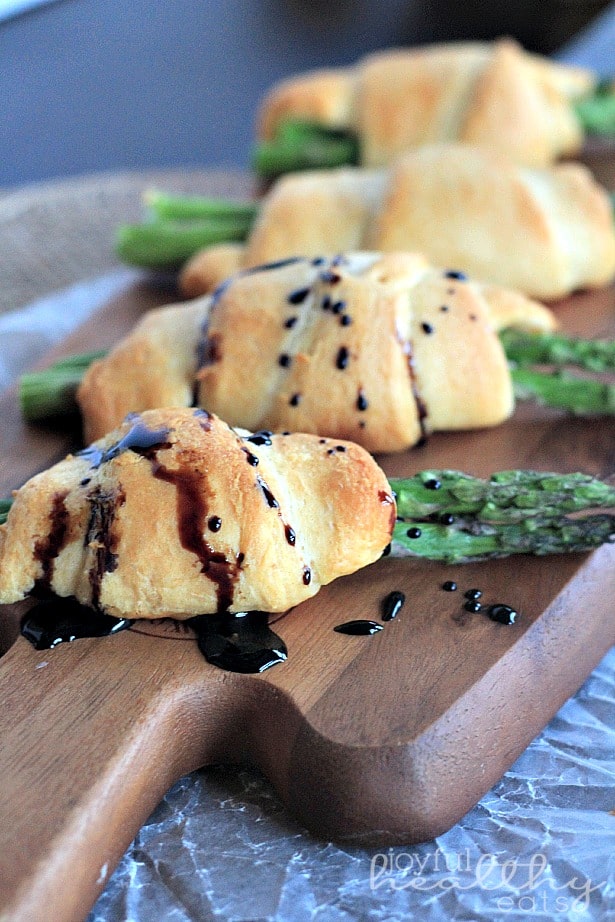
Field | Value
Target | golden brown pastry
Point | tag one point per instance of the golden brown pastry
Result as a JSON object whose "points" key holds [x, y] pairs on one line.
{"points": [[493, 94], [176, 514], [377, 349], [544, 232]]}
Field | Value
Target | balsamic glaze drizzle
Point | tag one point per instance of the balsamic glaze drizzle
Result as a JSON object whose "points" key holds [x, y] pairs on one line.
{"points": [[392, 605], [360, 627], [47, 548], [241, 642], [63, 620]]}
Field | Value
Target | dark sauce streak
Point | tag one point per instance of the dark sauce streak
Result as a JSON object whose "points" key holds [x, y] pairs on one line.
{"points": [[270, 498], [361, 627], [46, 549], [64, 620], [392, 605], [191, 515], [101, 537], [143, 441], [239, 643]]}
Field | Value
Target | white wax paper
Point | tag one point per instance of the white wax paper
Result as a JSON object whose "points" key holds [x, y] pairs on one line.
{"points": [[540, 845], [220, 846]]}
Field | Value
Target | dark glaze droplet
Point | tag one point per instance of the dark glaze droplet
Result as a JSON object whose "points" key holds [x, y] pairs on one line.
{"points": [[427, 328], [444, 308], [414, 532], [330, 278], [290, 323], [453, 274], [447, 519], [64, 620], [241, 642], [503, 614], [214, 523], [47, 548], [432, 484], [271, 500], [290, 534], [342, 358], [472, 606], [345, 320], [284, 360], [85, 481], [298, 296], [360, 627], [295, 400], [307, 576], [253, 460], [392, 605], [449, 586], [262, 437], [473, 594], [362, 402], [338, 307]]}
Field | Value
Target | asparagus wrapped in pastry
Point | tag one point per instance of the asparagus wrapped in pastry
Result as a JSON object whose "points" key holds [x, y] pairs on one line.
{"points": [[175, 514], [493, 94], [545, 232], [380, 349]]}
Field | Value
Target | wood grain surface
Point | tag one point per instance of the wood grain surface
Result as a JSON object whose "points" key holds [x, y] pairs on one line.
{"points": [[381, 739]]}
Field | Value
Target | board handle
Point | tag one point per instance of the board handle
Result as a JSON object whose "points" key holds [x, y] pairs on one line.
{"points": [[93, 733]]}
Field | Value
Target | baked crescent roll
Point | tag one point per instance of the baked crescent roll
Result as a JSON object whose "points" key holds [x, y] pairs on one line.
{"points": [[494, 94], [377, 349], [176, 514], [544, 232]]}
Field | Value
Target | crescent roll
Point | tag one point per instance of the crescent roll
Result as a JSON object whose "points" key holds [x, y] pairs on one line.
{"points": [[493, 94], [544, 232], [377, 349], [176, 514]]}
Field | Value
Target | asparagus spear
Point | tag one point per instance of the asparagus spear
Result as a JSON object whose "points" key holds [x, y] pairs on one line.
{"points": [[51, 392], [455, 518], [452, 517], [596, 112], [5, 505], [558, 349], [582, 396], [301, 145]]}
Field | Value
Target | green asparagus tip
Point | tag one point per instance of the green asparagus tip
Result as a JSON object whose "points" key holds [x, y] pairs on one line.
{"points": [[163, 243], [596, 112], [300, 145], [51, 392], [454, 517], [5, 505]]}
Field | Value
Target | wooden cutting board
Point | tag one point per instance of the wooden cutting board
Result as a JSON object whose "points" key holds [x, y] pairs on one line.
{"points": [[383, 739]]}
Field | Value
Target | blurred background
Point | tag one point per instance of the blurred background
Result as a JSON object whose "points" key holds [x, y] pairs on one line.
{"points": [[91, 86]]}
